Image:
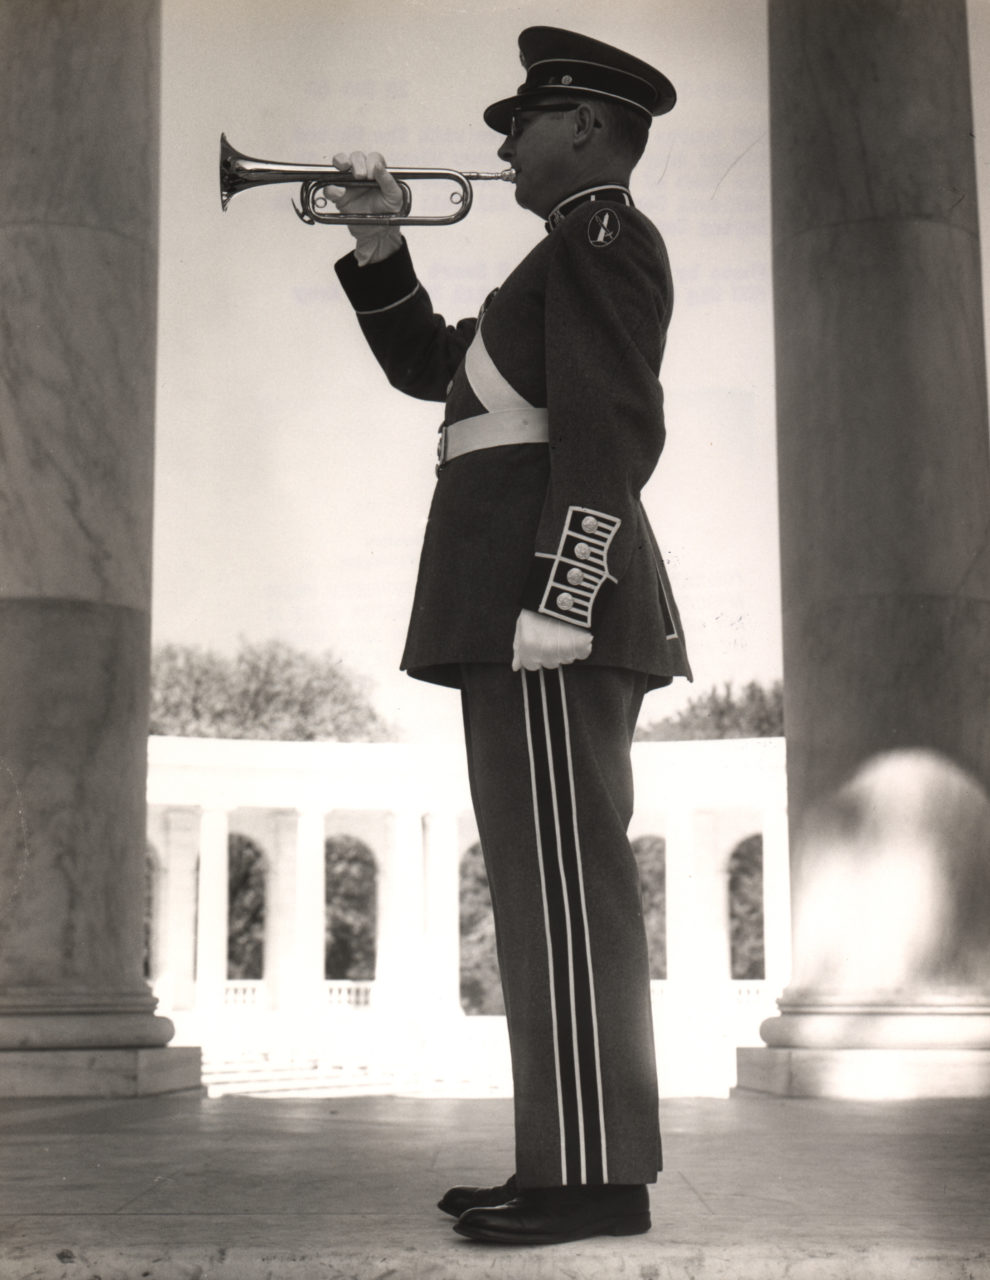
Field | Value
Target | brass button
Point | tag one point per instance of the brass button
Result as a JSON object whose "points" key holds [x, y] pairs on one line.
{"points": [[582, 551], [575, 577], [565, 601], [589, 524]]}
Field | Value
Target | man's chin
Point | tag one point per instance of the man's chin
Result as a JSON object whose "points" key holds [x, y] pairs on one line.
{"points": [[521, 198]]}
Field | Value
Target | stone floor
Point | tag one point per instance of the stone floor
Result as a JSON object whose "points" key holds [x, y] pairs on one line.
{"points": [[183, 1187]]}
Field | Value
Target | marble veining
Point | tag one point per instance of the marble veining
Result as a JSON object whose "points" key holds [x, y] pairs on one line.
{"points": [[79, 129], [858, 96], [79, 108], [884, 490], [76, 416]]}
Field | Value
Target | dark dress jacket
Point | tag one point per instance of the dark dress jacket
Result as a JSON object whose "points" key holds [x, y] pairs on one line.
{"points": [[578, 329]]}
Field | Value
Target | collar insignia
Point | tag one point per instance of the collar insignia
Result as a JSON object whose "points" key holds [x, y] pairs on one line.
{"points": [[616, 194]]}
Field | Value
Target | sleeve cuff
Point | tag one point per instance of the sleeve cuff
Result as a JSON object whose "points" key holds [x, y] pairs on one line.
{"points": [[379, 286], [568, 584]]}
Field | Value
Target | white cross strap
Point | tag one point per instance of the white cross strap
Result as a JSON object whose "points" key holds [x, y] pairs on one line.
{"points": [[488, 430], [489, 386], [510, 418]]}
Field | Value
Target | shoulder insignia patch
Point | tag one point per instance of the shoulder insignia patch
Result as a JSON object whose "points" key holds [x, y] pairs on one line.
{"points": [[604, 227]]}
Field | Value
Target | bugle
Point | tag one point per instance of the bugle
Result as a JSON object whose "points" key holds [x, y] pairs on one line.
{"points": [[241, 173]]}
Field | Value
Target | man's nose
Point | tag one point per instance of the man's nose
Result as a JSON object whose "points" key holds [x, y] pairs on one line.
{"points": [[505, 150]]}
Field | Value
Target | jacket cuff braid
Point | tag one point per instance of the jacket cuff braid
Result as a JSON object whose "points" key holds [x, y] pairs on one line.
{"points": [[378, 286], [572, 583]]}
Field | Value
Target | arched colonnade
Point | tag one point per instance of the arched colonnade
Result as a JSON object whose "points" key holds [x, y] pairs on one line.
{"points": [[410, 806]]}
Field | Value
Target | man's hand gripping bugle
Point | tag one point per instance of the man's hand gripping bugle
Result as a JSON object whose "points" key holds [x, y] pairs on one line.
{"points": [[374, 243]]}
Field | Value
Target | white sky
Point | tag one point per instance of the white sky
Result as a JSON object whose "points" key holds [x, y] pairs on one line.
{"points": [[292, 482]]}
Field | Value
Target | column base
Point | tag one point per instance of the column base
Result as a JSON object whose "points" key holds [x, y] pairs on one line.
{"points": [[865, 1073], [98, 1073]]}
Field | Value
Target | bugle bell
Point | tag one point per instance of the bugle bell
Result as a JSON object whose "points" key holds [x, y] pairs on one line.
{"points": [[240, 173]]}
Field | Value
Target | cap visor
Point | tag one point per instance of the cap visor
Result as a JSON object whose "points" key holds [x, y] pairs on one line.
{"points": [[499, 115]]}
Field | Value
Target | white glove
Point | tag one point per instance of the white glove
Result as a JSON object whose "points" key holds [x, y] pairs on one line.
{"points": [[547, 642], [373, 243]]}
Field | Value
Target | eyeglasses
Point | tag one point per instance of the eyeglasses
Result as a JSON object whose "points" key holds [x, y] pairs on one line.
{"points": [[518, 122]]}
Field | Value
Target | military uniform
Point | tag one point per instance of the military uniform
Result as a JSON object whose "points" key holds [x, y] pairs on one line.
{"points": [[553, 423], [578, 329]]}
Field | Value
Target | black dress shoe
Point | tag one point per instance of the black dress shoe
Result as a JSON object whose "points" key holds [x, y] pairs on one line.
{"points": [[555, 1215], [459, 1199]]}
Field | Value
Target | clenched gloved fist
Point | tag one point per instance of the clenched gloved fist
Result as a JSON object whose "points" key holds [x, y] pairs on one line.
{"points": [[546, 642], [373, 243]]}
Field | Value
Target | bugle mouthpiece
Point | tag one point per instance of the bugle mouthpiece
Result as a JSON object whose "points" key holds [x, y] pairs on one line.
{"points": [[504, 175]]}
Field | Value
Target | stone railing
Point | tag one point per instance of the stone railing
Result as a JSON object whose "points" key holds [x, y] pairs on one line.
{"points": [[411, 806], [252, 993], [349, 994], [245, 993]]}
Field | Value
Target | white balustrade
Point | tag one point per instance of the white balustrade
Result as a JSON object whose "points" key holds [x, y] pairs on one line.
{"points": [[350, 994], [245, 993], [411, 804]]}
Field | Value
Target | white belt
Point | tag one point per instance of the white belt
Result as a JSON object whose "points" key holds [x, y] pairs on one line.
{"points": [[488, 430]]}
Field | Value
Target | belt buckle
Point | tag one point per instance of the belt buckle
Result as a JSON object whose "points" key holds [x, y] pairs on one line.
{"points": [[441, 449]]}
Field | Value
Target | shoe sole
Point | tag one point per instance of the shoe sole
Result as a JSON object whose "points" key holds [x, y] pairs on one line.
{"points": [[630, 1225], [480, 1204]]}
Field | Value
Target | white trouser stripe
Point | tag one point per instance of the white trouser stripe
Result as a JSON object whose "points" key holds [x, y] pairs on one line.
{"points": [[587, 931], [546, 925], [553, 788], [579, 1091]]}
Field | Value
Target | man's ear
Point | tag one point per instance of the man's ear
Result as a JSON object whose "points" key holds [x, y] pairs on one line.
{"points": [[585, 124]]}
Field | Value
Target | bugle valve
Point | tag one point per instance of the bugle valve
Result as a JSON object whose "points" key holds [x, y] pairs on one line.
{"points": [[240, 173]]}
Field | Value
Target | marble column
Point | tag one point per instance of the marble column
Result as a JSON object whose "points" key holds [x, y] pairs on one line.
{"points": [[776, 897], [399, 995], [697, 1004], [441, 890], [885, 512], [306, 988], [78, 262], [212, 910], [176, 983], [399, 966], [280, 909]]}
